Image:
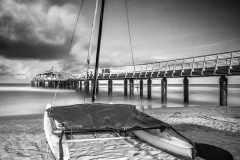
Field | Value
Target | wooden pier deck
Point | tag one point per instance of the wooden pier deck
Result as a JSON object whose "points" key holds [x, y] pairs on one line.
{"points": [[221, 64]]}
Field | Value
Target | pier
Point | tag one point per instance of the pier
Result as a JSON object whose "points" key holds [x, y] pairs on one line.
{"points": [[221, 65]]}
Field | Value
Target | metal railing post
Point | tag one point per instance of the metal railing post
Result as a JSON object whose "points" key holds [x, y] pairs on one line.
{"points": [[140, 71], [103, 72], [146, 71], [230, 65], [134, 71], [118, 72], [182, 66], [166, 69], [126, 72], [203, 69], [152, 69], [192, 69], [159, 68], [216, 65], [174, 68]]}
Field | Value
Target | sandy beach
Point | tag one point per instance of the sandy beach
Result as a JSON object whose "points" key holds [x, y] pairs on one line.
{"points": [[22, 137]]}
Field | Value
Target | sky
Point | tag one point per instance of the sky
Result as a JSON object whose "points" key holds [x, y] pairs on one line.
{"points": [[35, 35]]}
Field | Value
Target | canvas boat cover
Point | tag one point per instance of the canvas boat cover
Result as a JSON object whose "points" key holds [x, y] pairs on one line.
{"points": [[100, 117]]}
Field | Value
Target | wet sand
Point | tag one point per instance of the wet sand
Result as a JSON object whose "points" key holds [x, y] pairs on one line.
{"points": [[22, 137]]}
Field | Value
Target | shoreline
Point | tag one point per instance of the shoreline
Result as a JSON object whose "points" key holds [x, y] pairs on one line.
{"points": [[22, 136]]}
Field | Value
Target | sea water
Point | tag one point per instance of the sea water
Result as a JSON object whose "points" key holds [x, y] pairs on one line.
{"points": [[20, 99]]}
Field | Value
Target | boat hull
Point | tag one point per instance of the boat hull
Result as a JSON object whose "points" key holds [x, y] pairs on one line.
{"points": [[165, 142], [53, 139]]}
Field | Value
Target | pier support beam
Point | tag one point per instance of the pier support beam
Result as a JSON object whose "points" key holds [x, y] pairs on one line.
{"points": [[141, 88], [186, 90], [223, 81], [75, 85], [61, 84], [54, 84], [149, 86], [86, 86], [42, 83], [110, 87], [50, 84], [164, 90], [131, 87], [65, 84], [80, 85], [71, 84], [125, 87]]}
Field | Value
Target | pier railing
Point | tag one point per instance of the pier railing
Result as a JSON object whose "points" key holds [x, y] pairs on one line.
{"points": [[227, 63], [221, 64]]}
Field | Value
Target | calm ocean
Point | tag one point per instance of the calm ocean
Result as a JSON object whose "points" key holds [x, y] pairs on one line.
{"points": [[19, 99]]}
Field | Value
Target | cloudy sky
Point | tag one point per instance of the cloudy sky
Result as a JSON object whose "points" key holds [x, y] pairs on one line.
{"points": [[35, 35]]}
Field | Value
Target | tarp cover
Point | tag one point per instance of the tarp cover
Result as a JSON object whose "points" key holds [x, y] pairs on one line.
{"points": [[99, 116]]}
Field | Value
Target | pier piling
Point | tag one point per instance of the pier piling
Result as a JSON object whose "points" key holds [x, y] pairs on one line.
{"points": [[75, 84], [110, 83], [223, 81], [149, 87], [125, 87], [186, 90], [164, 90], [86, 86], [131, 87], [141, 88], [54, 84], [80, 85]]}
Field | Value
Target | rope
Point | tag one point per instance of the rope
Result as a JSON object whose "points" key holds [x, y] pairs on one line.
{"points": [[55, 95], [129, 33], [91, 36], [189, 140], [130, 40], [47, 151]]}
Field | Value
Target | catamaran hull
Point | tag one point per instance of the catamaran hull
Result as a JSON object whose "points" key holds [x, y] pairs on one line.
{"points": [[165, 142], [53, 139]]}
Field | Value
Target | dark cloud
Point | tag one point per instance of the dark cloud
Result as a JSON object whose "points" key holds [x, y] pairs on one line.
{"points": [[37, 29], [62, 2], [21, 50]]}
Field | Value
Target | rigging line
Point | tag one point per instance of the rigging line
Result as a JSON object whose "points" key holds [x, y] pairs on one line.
{"points": [[91, 36], [73, 36], [69, 50], [129, 32], [130, 40]]}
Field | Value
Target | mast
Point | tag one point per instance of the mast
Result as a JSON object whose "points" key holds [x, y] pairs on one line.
{"points": [[98, 50]]}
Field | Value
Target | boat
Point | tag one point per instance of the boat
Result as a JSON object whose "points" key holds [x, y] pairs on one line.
{"points": [[61, 123], [120, 119]]}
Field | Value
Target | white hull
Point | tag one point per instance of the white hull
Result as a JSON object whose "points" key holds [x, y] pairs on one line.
{"points": [[165, 142], [53, 140]]}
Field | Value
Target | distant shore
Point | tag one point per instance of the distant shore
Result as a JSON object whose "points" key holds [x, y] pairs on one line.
{"points": [[22, 137]]}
